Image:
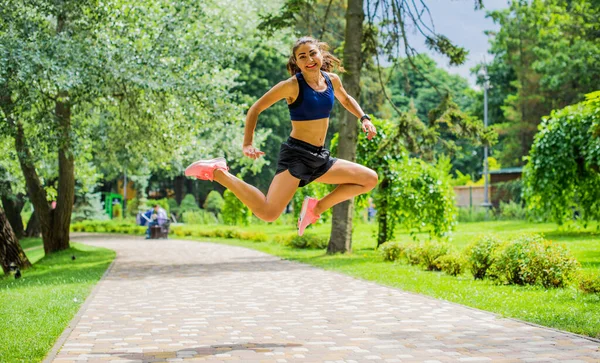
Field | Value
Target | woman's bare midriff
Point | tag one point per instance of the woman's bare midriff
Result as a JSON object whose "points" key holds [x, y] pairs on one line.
{"points": [[312, 132]]}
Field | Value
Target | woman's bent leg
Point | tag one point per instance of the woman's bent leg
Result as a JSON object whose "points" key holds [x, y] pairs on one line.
{"points": [[269, 207], [352, 179]]}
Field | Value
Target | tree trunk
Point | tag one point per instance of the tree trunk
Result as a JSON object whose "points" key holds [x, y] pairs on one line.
{"points": [[12, 206], [37, 194], [10, 249], [382, 209], [33, 226], [179, 186], [341, 225], [66, 178]]}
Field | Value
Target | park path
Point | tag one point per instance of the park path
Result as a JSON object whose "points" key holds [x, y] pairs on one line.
{"points": [[172, 301]]}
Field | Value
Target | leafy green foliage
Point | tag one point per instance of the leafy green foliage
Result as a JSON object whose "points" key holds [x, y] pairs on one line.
{"points": [[481, 255], [307, 240], [512, 210], [391, 251], [431, 251], [89, 207], [562, 174], [234, 211], [419, 197], [214, 202], [199, 216], [188, 203], [452, 264], [533, 260], [589, 283], [545, 57]]}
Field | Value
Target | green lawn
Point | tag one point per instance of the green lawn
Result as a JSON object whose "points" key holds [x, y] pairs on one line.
{"points": [[566, 309], [36, 308]]}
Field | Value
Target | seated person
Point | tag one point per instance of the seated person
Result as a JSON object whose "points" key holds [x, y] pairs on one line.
{"points": [[157, 217]]}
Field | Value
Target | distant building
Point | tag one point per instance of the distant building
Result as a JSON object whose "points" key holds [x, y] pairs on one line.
{"points": [[506, 174]]}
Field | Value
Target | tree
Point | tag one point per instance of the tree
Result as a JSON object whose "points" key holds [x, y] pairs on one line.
{"points": [[128, 85], [545, 57], [562, 177], [11, 253]]}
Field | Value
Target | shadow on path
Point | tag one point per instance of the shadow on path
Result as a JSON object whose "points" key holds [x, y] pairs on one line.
{"points": [[202, 351]]}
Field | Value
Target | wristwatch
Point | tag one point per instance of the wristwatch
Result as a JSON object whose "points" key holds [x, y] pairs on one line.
{"points": [[365, 117]]}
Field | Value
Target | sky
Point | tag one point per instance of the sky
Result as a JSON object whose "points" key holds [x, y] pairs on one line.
{"points": [[464, 26]]}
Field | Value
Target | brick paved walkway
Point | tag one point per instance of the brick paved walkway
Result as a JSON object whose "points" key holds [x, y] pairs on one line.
{"points": [[171, 301]]}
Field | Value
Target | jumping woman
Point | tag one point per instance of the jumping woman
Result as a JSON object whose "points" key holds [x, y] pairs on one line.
{"points": [[309, 93]]}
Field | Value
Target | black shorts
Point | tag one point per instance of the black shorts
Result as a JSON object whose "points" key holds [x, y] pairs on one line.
{"points": [[304, 161]]}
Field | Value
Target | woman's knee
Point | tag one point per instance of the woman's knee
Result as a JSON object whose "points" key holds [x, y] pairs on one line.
{"points": [[371, 179], [268, 215]]}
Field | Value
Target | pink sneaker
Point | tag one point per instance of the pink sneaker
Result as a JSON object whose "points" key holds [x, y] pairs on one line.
{"points": [[307, 215], [204, 169]]}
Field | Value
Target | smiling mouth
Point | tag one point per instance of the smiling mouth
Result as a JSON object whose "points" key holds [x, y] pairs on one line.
{"points": [[312, 66]]}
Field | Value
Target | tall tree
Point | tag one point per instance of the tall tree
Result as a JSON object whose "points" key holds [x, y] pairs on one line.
{"points": [[11, 253], [126, 84], [546, 56]]}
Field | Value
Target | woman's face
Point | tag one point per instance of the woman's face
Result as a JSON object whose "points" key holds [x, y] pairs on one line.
{"points": [[309, 58]]}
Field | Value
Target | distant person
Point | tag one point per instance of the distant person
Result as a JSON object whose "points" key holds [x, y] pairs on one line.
{"points": [[310, 93], [157, 216]]}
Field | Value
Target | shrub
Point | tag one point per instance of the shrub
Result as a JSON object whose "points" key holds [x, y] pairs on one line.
{"points": [[451, 264], [188, 203], [199, 216], [214, 202], [87, 207], [531, 260], [474, 214], [234, 211], [391, 251], [135, 205], [308, 240], [430, 252], [589, 283], [284, 239], [512, 211], [480, 255], [173, 207], [254, 236], [413, 254]]}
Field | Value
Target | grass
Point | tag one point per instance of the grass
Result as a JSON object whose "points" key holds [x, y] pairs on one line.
{"points": [[565, 309], [36, 308]]}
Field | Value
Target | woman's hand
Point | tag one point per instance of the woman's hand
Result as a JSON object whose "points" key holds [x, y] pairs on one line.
{"points": [[369, 128], [252, 152]]}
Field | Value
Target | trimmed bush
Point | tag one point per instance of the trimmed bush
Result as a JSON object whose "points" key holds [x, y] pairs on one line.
{"points": [[391, 251], [198, 216], [214, 202], [452, 264], [188, 203], [512, 211], [474, 214], [430, 252], [307, 240], [413, 254], [234, 212], [254, 236], [533, 260], [284, 239], [480, 255], [589, 283]]}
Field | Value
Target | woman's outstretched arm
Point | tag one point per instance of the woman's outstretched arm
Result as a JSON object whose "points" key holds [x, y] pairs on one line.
{"points": [[281, 90], [351, 105]]}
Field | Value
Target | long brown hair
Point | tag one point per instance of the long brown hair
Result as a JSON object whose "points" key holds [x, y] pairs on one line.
{"points": [[330, 62]]}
